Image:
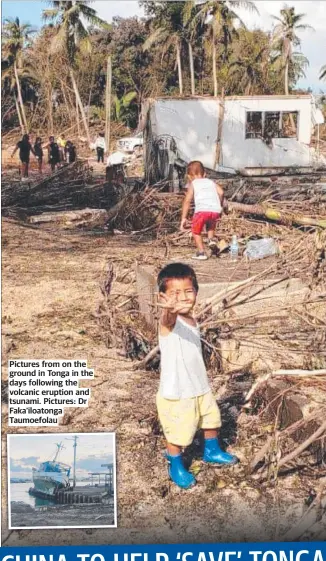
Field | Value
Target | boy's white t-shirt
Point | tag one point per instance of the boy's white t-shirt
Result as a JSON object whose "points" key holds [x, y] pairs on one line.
{"points": [[206, 196], [100, 143], [183, 372]]}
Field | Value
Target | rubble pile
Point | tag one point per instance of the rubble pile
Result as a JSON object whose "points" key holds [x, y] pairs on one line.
{"points": [[301, 202], [58, 191], [250, 327]]}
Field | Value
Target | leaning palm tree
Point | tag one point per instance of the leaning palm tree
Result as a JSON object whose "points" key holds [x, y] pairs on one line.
{"points": [[220, 18], [168, 31], [15, 38], [72, 18], [323, 73], [285, 38]]}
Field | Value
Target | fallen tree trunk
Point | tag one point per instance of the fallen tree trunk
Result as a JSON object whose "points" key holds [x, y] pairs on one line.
{"points": [[86, 217], [277, 216], [321, 372]]}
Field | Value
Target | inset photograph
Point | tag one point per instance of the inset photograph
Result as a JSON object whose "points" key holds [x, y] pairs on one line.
{"points": [[65, 480]]}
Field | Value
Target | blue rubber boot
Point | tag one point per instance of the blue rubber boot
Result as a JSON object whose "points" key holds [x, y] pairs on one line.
{"points": [[214, 455], [178, 473]]}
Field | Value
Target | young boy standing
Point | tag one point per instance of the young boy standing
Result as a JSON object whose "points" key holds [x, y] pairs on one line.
{"points": [[208, 198], [100, 146], [184, 400]]}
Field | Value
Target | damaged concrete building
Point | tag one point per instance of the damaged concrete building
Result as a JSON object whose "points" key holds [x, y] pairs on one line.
{"points": [[253, 135]]}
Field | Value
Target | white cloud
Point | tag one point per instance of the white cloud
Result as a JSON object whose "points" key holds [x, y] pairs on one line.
{"points": [[124, 8]]}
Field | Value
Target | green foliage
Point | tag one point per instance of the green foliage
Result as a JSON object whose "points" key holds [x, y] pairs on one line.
{"points": [[123, 107], [149, 57], [72, 18], [96, 114], [16, 40]]}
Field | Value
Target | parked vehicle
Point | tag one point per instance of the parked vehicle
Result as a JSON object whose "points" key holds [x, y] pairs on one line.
{"points": [[131, 143]]}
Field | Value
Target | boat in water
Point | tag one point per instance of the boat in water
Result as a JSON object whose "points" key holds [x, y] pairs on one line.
{"points": [[51, 475]]}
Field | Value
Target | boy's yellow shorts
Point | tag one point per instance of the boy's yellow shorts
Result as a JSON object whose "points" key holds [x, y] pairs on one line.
{"points": [[181, 418]]}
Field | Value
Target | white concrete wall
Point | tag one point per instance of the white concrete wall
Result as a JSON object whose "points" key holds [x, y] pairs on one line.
{"points": [[193, 123], [239, 152]]}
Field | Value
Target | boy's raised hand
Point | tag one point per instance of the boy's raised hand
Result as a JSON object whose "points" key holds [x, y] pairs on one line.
{"points": [[171, 305]]}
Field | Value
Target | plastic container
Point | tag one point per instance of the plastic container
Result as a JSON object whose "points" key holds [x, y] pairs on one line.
{"points": [[258, 249], [234, 248]]}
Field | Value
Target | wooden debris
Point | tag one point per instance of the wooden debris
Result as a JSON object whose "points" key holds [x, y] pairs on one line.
{"points": [[277, 215], [88, 217]]}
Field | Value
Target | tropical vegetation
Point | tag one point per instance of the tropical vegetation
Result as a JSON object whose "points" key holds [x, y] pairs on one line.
{"points": [[56, 77]]}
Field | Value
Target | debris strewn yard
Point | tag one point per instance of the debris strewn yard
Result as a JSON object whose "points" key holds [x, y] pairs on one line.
{"points": [[71, 289]]}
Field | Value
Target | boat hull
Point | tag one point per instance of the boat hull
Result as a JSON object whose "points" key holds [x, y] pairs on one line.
{"points": [[48, 483]]}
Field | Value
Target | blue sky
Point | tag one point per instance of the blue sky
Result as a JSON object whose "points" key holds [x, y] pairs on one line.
{"points": [[27, 11], [313, 43]]}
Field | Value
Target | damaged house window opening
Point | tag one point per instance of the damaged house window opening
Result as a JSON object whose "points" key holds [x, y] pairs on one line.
{"points": [[254, 124], [271, 124]]}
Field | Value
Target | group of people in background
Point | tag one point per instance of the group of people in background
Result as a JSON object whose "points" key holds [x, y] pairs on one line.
{"points": [[60, 151]]}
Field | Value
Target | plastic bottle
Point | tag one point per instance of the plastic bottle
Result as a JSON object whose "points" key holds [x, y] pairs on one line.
{"points": [[234, 248]]}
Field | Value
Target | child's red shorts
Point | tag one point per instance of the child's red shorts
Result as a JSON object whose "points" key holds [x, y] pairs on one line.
{"points": [[201, 219]]}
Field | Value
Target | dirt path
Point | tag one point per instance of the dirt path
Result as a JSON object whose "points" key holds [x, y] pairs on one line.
{"points": [[50, 294]]}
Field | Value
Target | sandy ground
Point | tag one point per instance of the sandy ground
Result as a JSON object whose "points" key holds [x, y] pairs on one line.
{"points": [[50, 294], [25, 516]]}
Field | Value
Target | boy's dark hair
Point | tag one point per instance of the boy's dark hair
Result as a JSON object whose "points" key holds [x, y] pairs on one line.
{"points": [[176, 271]]}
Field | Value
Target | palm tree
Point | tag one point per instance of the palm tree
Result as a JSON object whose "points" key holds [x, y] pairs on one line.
{"points": [[189, 12], [221, 27], [72, 33], [168, 31], [247, 69], [285, 38], [15, 38], [323, 73]]}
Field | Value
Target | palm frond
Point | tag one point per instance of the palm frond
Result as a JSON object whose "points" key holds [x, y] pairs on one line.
{"points": [[300, 59], [90, 16], [322, 75], [304, 27], [85, 45], [251, 6], [157, 36], [128, 98], [59, 41], [50, 15], [187, 11]]}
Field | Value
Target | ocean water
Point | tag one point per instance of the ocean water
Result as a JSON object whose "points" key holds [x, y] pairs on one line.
{"points": [[19, 493]]}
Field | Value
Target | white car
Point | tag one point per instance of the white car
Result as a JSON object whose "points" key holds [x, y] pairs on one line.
{"points": [[131, 143]]}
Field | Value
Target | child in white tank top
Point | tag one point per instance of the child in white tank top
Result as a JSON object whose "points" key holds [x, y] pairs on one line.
{"points": [[184, 400], [208, 198]]}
